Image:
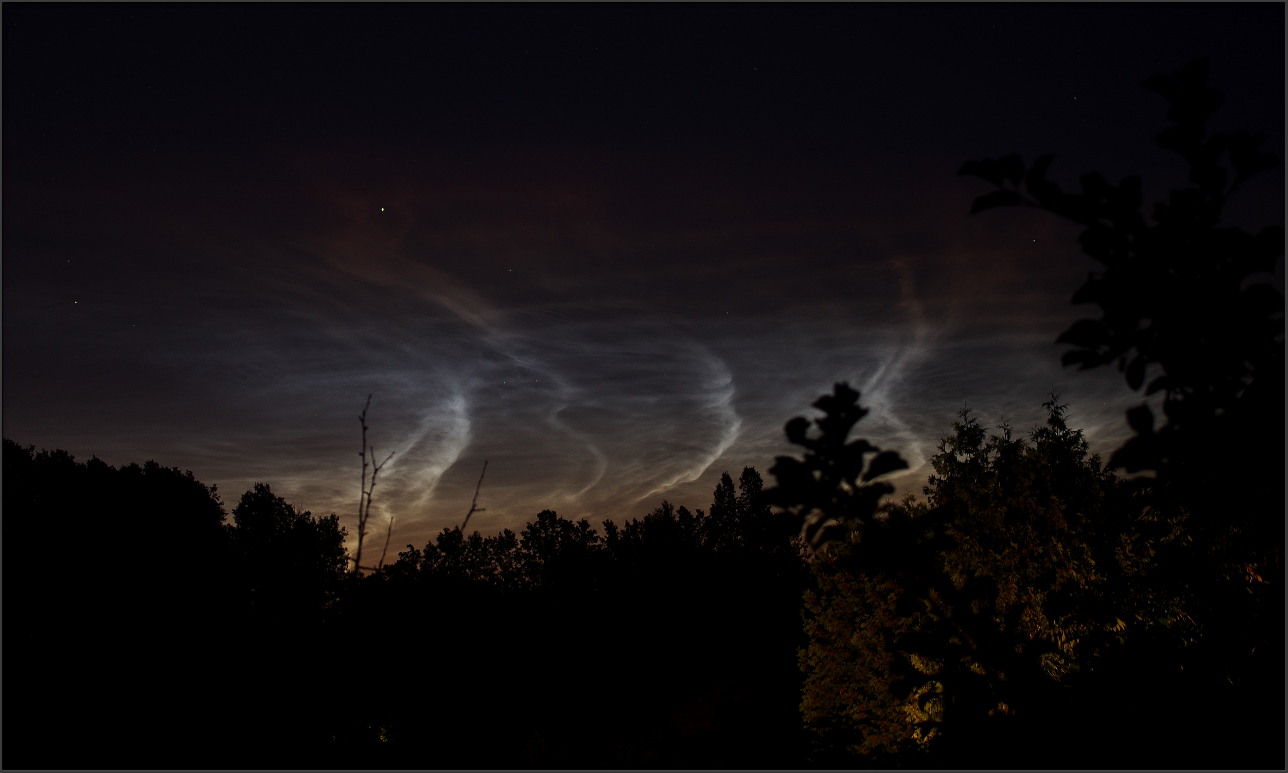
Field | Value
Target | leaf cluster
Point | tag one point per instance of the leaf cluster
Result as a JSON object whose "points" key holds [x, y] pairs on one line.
{"points": [[934, 625], [832, 486], [152, 594]]}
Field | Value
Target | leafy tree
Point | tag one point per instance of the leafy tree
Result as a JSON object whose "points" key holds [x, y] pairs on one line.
{"points": [[830, 491], [959, 625], [1188, 313], [832, 486], [557, 552], [291, 561], [665, 525], [455, 561], [693, 617], [1189, 299], [722, 522], [1024, 514], [115, 585]]}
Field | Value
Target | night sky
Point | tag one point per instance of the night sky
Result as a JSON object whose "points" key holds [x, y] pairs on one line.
{"points": [[611, 249]]}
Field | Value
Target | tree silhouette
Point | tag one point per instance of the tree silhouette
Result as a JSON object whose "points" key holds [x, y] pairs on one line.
{"points": [[228, 638], [366, 489], [292, 562], [831, 493], [698, 628], [557, 552], [969, 626], [116, 611], [831, 487], [1188, 314], [1182, 295]]}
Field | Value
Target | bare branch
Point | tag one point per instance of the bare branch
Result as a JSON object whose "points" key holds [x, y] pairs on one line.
{"points": [[363, 495], [365, 491], [389, 532], [474, 508]]}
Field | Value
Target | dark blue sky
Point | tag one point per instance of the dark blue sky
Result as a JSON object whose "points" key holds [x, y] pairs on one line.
{"points": [[610, 248]]}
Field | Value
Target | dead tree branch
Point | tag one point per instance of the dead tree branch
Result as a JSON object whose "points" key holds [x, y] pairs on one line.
{"points": [[364, 495], [474, 505], [389, 532]]}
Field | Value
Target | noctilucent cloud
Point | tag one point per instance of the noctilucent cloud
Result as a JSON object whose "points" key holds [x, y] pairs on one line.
{"points": [[609, 250]]}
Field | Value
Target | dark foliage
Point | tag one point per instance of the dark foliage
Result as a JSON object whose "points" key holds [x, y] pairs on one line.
{"points": [[1189, 313], [667, 641], [105, 635], [158, 635], [1035, 602], [832, 486], [1023, 607], [288, 562]]}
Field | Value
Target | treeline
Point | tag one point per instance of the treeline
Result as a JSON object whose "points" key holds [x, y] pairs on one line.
{"points": [[142, 630], [1032, 610], [668, 640]]}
